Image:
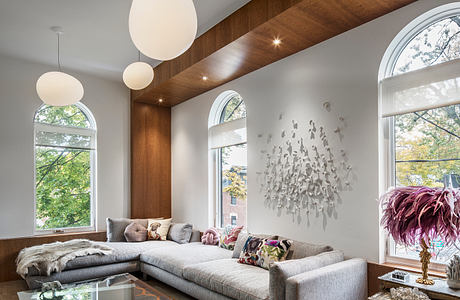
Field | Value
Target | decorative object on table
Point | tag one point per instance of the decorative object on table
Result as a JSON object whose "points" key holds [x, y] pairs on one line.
{"points": [[401, 276], [229, 236], [453, 273], [407, 294], [53, 257], [419, 214], [57, 88], [210, 236], [157, 229], [303, 173]]}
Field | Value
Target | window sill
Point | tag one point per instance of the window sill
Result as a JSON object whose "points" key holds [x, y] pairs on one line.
{"points": [[413, 269], [66, 233]]}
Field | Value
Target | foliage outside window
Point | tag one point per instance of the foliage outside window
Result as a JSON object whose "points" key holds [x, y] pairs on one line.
{"points": [[64, 168], [427, 143], [232, 165]]}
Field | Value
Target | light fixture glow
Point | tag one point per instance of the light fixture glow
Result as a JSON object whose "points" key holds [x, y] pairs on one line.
{"points": [[138, 75], [205, 78], [163, 29], [58, 88], [276, 42], [160, 100]]}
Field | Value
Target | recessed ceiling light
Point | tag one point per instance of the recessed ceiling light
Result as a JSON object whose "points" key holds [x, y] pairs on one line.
{"points": [[205, 78], [276, 42]]}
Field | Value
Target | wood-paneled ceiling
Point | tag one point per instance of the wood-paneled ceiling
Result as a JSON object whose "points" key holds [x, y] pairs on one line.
{"points": [[243, 43]]}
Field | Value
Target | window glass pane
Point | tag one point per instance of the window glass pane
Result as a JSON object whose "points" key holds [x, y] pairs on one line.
{"points": [[234, 109], [70, 116], [234, 185], [63, 188], [437, 43], [427, 146], [44, 138]]}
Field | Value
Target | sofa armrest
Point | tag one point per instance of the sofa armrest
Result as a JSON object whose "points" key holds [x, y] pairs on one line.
{"points": [[346, 280], [281, 271]]}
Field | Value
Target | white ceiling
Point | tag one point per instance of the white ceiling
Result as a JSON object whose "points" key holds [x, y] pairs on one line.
{"points": [[96, 38]]}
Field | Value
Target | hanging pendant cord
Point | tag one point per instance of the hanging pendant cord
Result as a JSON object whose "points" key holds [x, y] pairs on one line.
{"points": [[58, 54]]}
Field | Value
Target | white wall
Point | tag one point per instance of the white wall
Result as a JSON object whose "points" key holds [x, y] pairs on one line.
{"points": [[109, 103], [343, 71]]}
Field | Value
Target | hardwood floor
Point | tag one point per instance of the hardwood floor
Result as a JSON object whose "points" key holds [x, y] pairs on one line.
{"points": [[9, 289]]}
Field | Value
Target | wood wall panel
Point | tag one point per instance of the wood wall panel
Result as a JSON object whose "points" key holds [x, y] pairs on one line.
{"points": [[150, 161], [9, 248], [242, 43]]}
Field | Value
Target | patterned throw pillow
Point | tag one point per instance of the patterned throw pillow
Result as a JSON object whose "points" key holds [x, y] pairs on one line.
{"points": [[158, 229], [229, 236], [264, 252]]}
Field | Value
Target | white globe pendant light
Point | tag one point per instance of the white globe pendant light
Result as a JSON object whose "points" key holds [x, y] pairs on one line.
{"points": [[138, 75], [163, 29], [57, 88]]}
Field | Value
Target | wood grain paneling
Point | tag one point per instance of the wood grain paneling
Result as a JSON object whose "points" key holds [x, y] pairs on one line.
{"points": [[150, 161], [9, 248], [242, 43]]}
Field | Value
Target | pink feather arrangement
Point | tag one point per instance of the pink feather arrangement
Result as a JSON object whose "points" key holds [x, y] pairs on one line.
{"points": [[414, 213]]}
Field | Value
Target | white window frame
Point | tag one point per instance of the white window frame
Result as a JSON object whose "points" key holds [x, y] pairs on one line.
{"points": [[91, 132], [214, 159], [386, 125]]}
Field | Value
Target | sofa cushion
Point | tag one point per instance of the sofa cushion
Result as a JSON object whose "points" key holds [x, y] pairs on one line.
{"points": [[175, 259], [264, 252], [228, 237], [122, 252], [242, 238], [281, 271], [180, 232], [135, 232], [116, 228], [228, 277], [301, 249], [157, 229]]}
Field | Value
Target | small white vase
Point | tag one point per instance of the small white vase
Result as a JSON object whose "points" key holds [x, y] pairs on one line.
{"points": [[453, 284]]}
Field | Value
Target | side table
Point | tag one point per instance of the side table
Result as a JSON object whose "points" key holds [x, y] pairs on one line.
{"points": [[438, 291]]}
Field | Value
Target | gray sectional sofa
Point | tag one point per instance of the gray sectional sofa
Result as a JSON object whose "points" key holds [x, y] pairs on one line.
{"points": [[210, 272]]}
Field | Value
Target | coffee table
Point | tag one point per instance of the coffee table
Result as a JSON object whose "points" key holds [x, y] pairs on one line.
{"points": [[118, 287]]}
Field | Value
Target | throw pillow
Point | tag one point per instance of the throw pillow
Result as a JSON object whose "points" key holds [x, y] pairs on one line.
{"points": [[158, 229], [229, 236], [180, 233], [264, 252], [135, 232], [116, 228], [243, 236], [210, 236]]}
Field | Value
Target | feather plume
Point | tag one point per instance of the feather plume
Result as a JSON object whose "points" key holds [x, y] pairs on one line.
{"points": [[413, 213]]}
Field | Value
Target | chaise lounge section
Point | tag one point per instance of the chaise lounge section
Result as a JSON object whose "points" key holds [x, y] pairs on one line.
{"points": [[210, 272]]}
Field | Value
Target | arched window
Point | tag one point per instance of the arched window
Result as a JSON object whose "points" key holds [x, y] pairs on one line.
{"points": [[65, 155], [419, 103], [228, 151]]}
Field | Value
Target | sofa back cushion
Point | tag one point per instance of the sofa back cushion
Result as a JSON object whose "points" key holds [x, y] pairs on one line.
{"points": [[301, 249], [116, 228], [180, 232], [281, 271]]}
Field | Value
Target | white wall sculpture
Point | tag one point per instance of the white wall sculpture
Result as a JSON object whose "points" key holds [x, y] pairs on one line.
{"points": [[303, 172]]}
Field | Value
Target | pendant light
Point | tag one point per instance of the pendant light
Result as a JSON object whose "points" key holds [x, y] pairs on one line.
{"points": [[57, 88], [138, 75], [162, 29]]}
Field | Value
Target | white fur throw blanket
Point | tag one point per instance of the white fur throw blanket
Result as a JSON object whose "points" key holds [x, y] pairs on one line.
{"points": [[53, 257]]}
